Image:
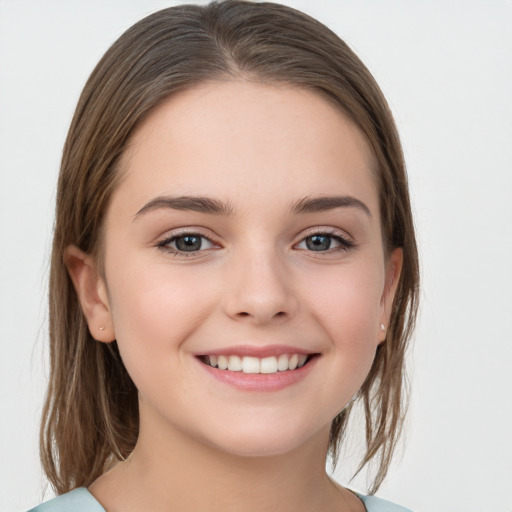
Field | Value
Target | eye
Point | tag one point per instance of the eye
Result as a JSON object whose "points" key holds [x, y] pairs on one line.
{"points": [[186, 243], [322, 242]]}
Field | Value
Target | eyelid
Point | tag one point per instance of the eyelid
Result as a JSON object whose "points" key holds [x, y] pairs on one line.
{"points": [[184, 231], [326, 230]]}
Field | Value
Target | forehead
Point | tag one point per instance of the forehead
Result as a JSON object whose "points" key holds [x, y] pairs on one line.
{"points": [[235, 138]]}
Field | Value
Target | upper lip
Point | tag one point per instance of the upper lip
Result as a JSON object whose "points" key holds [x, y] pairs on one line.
{"points": [[259, 351]]}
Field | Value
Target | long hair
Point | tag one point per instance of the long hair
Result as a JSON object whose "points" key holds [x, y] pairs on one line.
{"points": [[90, 417]]}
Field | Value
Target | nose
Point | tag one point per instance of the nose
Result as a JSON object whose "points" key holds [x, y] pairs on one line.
{"points": [[260, 290]]}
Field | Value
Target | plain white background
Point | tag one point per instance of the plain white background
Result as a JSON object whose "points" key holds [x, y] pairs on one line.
{"points": [[446, 69]]}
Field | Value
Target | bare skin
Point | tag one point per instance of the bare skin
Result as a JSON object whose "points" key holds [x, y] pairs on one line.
{"points": [[289, 483]]}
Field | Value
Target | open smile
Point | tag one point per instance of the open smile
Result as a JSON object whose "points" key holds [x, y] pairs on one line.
{"points": [[256, 365], [252, 373]]}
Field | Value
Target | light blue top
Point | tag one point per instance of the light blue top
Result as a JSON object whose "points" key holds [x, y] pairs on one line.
{"points": [[81, 500]]}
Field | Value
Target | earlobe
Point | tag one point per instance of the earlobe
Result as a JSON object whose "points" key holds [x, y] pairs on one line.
{"points": [[91, 291], [393, 271]]}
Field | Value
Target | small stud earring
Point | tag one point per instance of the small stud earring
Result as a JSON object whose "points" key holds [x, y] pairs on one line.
{"points": [[102, 328], [382, 327]]}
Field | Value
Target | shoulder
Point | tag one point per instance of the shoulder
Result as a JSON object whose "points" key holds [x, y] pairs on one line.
{"points": [[374, 504], [78, 500]]}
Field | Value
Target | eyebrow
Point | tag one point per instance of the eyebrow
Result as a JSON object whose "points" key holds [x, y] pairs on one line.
{"points": [[214, 206], [325, 203], [189, 203]]}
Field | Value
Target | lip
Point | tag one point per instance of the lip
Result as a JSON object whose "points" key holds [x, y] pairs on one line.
{"points": [[256, 351], [260, 381]]}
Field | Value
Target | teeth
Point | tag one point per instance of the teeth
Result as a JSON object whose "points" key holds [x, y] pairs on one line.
{"points": [[255, 365], [223, 363], [282, 363], [250, 364], [268, 365], [234, 364]]}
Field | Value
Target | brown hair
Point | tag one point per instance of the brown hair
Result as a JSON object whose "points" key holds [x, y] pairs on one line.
{"points": [[90, 418]]}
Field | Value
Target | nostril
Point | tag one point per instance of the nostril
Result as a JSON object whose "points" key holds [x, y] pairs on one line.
{"points": [[261, 316]]}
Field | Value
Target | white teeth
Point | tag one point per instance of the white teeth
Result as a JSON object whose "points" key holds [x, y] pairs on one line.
{"points": [[223, 363], [294, 361], [248, 364], [282, 363], [268, 365], [234, 364]]}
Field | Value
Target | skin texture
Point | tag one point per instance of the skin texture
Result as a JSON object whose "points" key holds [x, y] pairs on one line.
{"points": [[258, 149]]}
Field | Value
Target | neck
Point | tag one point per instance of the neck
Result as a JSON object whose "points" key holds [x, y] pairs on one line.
{"points": [[175, 472]]}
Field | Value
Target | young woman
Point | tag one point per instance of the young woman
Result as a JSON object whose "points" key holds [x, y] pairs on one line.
{"points": [[234, 270]]}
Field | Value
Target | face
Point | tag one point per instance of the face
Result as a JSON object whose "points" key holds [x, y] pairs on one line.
{"points": [[244, 274]]}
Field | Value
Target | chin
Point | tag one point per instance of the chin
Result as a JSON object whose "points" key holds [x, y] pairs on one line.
{"points": [[269, 441]]}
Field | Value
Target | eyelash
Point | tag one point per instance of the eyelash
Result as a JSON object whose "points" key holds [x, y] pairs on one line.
{"points": [[345, 244], [164, 244]]}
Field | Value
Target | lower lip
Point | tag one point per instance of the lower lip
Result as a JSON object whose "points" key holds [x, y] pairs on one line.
{"points": [[261, 381]]}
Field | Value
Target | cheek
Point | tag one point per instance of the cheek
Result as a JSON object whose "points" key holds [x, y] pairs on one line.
{"points": [[348, 308], [351, 298], [153, 312]]}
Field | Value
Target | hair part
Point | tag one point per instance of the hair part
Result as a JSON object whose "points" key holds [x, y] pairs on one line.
{"points": [[90, 417]]}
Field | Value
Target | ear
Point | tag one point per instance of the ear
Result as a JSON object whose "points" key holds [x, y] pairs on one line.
{"points": [[91, 290], [393, 271]]}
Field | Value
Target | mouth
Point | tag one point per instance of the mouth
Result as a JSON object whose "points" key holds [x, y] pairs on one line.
{"points": [[256, 365]]}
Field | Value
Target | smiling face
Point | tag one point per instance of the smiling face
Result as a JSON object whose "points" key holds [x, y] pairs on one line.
{"points": [[243, 241]]}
